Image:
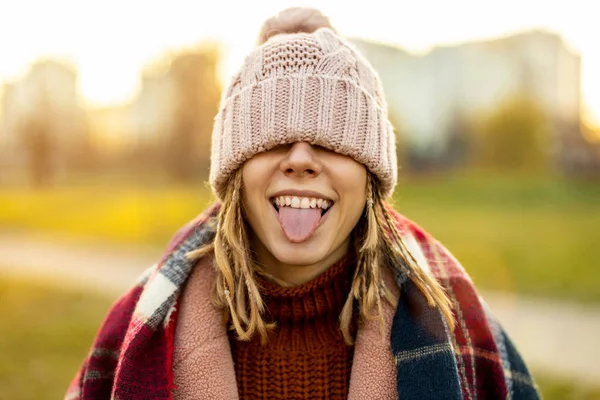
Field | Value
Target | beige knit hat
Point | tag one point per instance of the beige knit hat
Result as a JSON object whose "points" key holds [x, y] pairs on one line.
{"points": [[303, 83]]}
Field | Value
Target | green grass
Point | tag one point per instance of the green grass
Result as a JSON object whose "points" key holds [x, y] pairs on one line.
{"points": [[46, 331], [528, 235], [535, 235], [119, 213], [561, 389]]}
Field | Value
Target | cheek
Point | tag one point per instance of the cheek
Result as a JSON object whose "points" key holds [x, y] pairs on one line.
{"points": [[257, 174], [352, 180], [251, 174], [255, 177], [258, 171], [351, 184]]}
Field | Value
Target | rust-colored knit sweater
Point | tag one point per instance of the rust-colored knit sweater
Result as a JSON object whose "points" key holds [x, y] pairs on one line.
{"points": [[305, 357]]}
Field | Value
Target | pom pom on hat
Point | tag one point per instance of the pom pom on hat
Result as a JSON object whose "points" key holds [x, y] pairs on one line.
{"points": [[293, 20]]}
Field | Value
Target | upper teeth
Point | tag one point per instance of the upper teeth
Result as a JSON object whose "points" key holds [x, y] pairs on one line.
{"points": [[302, 202]]}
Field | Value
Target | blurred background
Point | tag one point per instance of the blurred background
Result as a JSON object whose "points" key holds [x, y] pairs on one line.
{"points": [[106, 111]]}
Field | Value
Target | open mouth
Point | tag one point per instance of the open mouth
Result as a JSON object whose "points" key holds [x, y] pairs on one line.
{"points": [[300, 217], [301, 203]]}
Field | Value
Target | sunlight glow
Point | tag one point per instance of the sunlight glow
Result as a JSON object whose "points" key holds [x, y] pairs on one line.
{"points": [[110, 41]]}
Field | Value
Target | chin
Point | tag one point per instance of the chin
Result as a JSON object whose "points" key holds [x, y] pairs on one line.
{"points": [[306, 253]]}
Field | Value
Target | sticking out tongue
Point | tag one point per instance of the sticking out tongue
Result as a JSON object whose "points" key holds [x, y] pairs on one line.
{"points": [[299, 224]]}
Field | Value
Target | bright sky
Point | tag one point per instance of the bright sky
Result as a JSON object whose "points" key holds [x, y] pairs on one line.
{"points": [[110, 40]]}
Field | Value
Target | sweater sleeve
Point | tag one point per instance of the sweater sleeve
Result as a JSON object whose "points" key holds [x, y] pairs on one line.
{"points": [[519, 381]]}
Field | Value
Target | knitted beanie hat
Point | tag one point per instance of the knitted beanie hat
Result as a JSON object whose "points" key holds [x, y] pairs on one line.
{"points": [[303, 82]]}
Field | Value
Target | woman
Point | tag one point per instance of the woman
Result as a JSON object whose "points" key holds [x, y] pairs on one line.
{"points": [[301, 281]]}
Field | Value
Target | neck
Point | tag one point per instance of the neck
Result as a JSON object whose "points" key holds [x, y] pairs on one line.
{"points": [[295, 275]]}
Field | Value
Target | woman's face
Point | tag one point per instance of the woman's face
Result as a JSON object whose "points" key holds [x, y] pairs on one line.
{"points": [[302, 202]]}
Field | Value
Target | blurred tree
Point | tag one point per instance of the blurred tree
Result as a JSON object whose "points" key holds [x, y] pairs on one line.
{"points": [[591, 132], [580, 151], [514, 136], [47, 121], [37, 136], [197, 93], [457, 146]]}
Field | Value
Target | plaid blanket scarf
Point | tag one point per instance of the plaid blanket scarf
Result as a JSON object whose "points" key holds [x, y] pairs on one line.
{"points": [[131, 357]]}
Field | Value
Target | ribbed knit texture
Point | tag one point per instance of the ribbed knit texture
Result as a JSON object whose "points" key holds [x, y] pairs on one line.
{"points": [[311, 87], [306, 357]]}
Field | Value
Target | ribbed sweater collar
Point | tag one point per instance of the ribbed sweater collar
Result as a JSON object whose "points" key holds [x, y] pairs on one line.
{"points": [[321, 298]]}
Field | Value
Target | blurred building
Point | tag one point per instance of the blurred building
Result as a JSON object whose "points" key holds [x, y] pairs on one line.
{"points": [[431, 95], [168, 124], [145, 121], [167, 86], [42, 119], [153, 109]]}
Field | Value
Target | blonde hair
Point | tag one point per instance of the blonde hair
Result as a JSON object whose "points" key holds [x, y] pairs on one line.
{"points": [[377, 243]]}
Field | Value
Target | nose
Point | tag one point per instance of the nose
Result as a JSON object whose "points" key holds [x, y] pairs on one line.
{"points": [[301, 161]]}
